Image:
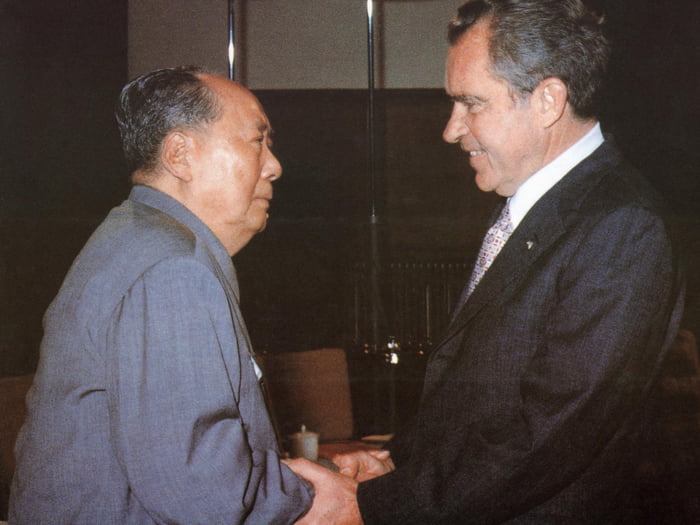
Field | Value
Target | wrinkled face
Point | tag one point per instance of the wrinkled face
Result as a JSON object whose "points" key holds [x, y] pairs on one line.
{"points": [[233, 167], [495, 128]]}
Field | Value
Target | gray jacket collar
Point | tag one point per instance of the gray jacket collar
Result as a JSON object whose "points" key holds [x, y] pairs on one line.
{"points": [[160, 201]]}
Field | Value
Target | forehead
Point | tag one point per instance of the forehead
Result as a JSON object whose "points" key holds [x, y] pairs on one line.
{"points": [[468, 61], [239, 106]]}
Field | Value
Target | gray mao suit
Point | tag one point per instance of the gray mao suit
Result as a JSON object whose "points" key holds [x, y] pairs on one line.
{"points": [[146, 407]]}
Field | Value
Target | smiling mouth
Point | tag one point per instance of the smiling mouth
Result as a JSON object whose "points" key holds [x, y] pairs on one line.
{"points": [[474, 153]]}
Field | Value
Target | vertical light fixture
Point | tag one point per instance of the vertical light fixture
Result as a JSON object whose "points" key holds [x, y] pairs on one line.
{"points": [[231, 40], [378, 344], [370, 117], [376, 310]]}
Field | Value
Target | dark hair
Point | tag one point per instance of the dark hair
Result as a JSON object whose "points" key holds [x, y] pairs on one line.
{"points": [[535, 39], [156, 103]]}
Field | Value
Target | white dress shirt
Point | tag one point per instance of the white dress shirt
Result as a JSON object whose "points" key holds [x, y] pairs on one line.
{"points": [[546, 177]]}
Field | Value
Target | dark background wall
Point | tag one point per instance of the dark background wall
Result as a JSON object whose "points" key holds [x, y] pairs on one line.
{"points": [[429, 207], [653, 109], [297, 275], [62, 65]]}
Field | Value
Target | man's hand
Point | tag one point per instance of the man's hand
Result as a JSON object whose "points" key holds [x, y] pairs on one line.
{"points": [[362, 465], [336, 495]]}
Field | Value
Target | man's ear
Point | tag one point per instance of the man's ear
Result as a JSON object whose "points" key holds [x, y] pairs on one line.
{"points": [[550, 97], [175, 155]]}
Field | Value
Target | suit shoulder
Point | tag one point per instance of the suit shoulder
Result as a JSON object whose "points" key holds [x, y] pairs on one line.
{"points": [[613, 183], [136, 227], [132, 239]]}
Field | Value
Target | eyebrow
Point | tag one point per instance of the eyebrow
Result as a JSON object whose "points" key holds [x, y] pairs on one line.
{"points": [[466, 99], [265, 128]]}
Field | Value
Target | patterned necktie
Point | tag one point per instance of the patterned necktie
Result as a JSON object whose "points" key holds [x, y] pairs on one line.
{"points": [[495, 239]]}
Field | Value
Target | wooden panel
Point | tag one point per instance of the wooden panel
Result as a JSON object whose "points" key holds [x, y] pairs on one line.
{"points": [[296, 276]]}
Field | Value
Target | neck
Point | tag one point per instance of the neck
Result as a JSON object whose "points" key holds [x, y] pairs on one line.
{"points": [[232, 238], [565, 133]]}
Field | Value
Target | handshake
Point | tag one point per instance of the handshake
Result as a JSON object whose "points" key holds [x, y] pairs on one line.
{"points": [[335, 499]]}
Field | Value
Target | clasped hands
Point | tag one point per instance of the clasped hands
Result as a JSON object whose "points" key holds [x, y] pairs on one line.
{"points": [[336, 493]]}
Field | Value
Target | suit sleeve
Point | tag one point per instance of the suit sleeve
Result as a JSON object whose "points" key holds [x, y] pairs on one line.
{"points": [[597, 353], [174, 415]]}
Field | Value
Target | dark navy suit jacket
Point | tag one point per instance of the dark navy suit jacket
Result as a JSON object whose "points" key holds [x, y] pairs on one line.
{"points": [[534, 397]]}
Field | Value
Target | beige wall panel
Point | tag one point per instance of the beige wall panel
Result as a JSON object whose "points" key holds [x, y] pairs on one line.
{"points": [[296, 44]]}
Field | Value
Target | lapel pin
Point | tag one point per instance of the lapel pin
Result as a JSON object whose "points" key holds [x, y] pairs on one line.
{"points": [[530, 244]]}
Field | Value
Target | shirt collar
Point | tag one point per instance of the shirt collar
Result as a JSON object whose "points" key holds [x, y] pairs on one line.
{"points": [[542, 180], [163, 202]]}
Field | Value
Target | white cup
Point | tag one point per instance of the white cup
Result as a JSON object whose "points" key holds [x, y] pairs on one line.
{"points": [[304, 444]]}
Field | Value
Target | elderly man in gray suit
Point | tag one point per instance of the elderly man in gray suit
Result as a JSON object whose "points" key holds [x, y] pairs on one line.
{"points": [[146, 406]]}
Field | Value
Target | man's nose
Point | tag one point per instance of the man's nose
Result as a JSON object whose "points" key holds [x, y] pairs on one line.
{"points": [[272, 169], [455, 128]]}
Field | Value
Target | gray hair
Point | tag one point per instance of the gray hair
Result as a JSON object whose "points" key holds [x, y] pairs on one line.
{"points": [[156, 103], [536, 39]]}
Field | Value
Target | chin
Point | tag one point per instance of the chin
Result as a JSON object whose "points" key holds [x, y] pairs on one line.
{"points": [[484, 184], [256, 222], [263, 225]]}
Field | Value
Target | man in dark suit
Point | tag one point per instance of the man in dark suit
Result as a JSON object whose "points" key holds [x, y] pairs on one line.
{"points": [[534, 397]]}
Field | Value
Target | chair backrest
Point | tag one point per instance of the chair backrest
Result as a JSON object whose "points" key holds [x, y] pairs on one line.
{"points": [[13, 391], [310, 388]]}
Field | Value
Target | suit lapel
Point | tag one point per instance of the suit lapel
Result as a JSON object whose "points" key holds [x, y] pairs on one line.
{"points": [[543, 225], [531, 239], [463, 296]]}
